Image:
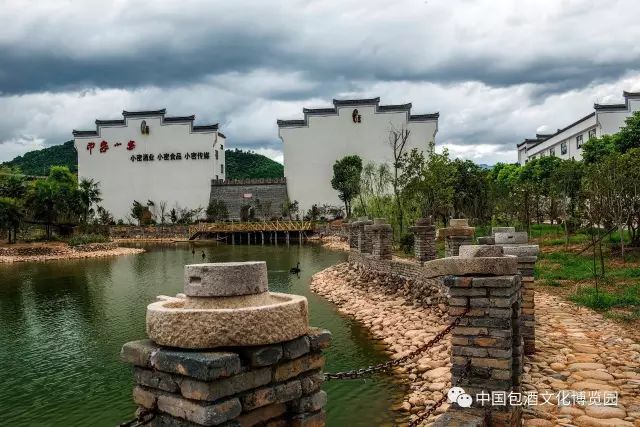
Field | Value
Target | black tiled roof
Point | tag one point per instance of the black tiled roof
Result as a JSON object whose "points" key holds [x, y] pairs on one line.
{"points": [[162, 112], [354, 103]]}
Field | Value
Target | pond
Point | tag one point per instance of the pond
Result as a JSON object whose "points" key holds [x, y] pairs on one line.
{"points": [[63, 323]]}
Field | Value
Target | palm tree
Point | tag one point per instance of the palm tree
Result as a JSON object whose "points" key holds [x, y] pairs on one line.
{"points": [[89, 195]]}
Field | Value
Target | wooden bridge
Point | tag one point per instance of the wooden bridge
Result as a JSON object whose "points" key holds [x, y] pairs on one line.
{"points": [[266, 230]]}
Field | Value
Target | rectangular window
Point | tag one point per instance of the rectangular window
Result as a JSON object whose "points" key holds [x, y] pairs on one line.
{"points": [[221, 168], [552, 151], [592, 133], [221, 147], [216, 154], [216, 177], [579, 141], [563, 148]]}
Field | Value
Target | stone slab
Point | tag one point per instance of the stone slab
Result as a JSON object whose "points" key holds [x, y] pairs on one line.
{"points": [[518, 237], [521, 250], [225, 279], [169, 323], [458, 222], [478, 251], [204, 414], [456, 266], [495, 230], [205, 366]]}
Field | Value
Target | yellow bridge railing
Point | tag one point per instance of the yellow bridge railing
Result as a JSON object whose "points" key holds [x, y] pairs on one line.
{"points": [[244, 227]]}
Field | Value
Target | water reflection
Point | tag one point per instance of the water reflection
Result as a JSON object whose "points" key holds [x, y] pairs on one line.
{"points": [[63, 324]]}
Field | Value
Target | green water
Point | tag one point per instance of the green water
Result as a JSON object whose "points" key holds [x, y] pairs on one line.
{"points": [[62, 324]]}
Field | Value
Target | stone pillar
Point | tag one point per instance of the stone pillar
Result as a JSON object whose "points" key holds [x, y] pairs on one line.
{"points": [[424, 245], [352, 236], [204, 366], [487, 339], [364, 238], [457, 234], [381, 235], [527, 256]]}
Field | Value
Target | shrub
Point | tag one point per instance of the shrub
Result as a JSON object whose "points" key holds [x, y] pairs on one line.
{"points": [[407, 242], [84, 239]]}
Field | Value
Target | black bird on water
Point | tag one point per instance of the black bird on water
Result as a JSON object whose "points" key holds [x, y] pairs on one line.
{"points": [[203, 256], [296, 269]]}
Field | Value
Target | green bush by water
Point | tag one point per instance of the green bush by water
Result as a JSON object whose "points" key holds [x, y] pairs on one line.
{"points": [[85, 239]]}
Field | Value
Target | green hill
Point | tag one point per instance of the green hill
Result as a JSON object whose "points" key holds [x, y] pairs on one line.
{"points": [[240, 164], [246, 164], [38, 162]]}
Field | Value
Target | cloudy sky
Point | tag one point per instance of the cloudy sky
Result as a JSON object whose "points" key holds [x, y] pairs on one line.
{"points": [[496, 70]]}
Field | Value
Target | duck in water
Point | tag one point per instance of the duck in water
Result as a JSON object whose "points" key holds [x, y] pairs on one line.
{"points": [[193, 251], [203, 256], [296, 269]]}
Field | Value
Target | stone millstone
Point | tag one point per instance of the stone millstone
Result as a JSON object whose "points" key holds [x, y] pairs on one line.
{"points": [[225, 279]]}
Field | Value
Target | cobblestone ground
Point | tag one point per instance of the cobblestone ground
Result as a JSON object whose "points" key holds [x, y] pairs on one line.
{"points": [[577, 350], [580, 350]]}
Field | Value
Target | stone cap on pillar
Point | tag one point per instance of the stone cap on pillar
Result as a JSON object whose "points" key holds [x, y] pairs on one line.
{"points": [[225, 279], [481, 260], [423, 225], [495, 230], [510, 238], [457, 227]]}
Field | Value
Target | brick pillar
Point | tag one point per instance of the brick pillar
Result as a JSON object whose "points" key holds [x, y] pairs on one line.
{"points": [[253, 378], [487, 337], [527, 256], [381, 238], [364, 238], [352, 236], [457, 234], [424, 245]]}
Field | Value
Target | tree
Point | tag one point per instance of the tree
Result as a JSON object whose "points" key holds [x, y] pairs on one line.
{"points": [[595, 149], [163, 211], [173, 216], [104, 216], [89, 196], [217, 211], [289, 208], [567, 182], [346, 179], [137, 211], [11, 216], [398, 143], [471, 191], [12, 183], [629, 135]]}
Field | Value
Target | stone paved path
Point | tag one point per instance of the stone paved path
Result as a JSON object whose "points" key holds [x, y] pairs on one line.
{"points": [[577, 350], [580, 350]]}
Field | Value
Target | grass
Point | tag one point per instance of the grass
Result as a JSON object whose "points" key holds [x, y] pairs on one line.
{"points": [[568, 266], [85, 239], [603, 300]]}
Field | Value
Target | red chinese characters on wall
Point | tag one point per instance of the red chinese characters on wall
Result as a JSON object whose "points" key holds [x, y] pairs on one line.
{"points": [[131, 145], [90, 146], [104, 146]]}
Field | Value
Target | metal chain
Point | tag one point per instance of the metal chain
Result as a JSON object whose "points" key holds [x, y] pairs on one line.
{"points": [[143, 418], [440, 401], [383, 367]]}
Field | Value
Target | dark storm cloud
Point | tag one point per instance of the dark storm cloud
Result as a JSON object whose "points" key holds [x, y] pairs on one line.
{"points": [[496, 71]]}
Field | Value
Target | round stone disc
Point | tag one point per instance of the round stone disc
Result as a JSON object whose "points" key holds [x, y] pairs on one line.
{"points": [[224, 279]]}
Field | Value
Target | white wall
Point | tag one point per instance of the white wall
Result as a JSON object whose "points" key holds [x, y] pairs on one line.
{"points": [[310, 152], [611, 121], [569, 136], [186, 183]]}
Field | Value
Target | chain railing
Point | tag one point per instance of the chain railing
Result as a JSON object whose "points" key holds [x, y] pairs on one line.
{"points": [[384, 367]]}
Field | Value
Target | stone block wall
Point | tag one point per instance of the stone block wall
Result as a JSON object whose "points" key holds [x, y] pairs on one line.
{"points": [[424, 290], [149, 232], [271, 385], [237, 193]]}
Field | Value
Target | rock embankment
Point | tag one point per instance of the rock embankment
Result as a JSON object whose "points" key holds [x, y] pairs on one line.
{"points": [[577, 350], [57, 251], [384, 304], [333, 242]]}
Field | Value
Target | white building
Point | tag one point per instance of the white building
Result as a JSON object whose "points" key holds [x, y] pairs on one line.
{"points": [[566, 143], [147, 155], [358, 126]]}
